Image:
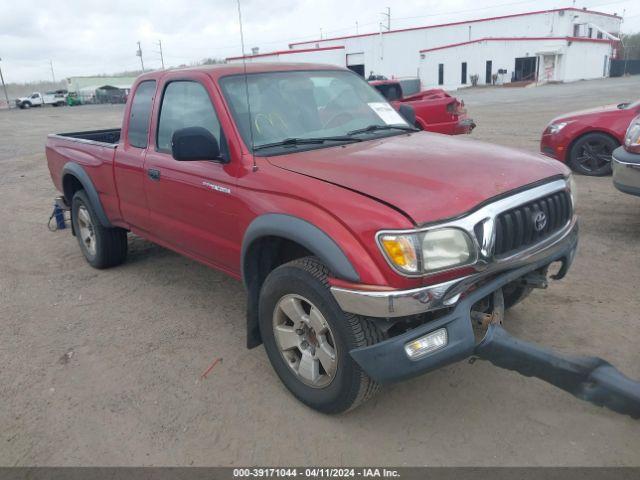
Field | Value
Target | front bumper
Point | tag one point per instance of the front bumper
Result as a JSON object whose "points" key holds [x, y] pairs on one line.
{"points": [[588, 378], [626, 171], [553, 146], [402, 303], [387, 361]]}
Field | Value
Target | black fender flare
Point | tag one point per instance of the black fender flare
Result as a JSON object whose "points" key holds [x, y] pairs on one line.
{"points": [[82, 176], [304, 233], [297, 230]]}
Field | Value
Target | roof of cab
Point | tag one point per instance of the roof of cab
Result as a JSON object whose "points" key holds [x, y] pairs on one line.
{"points": [[224, 69]]}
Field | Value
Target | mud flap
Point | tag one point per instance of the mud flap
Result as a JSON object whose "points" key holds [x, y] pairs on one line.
{"points": [[588, 378]]}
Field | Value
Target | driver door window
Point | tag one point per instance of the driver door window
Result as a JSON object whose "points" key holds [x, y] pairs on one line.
{"points": [[185, 104]]}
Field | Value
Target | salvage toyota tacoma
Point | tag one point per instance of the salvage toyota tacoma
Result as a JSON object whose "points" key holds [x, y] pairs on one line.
{"points": [[370, 251]]}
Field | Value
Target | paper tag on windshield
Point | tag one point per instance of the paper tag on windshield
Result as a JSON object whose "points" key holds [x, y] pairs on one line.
{"points": [[387, 113]]}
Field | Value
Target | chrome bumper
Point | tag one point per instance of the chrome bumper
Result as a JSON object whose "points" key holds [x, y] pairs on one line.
{"points": [[626, 171], [401, 303]]}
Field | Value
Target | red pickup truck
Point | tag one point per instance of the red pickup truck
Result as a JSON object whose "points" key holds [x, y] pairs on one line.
{"points": [[435, 110], [370, 251]]}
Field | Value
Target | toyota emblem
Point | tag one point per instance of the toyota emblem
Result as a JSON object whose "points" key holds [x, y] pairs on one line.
{"points": [[539, 220]]}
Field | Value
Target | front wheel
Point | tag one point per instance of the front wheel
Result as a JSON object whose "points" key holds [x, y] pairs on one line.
{"points": [[591, 154], [102, 247], [308, 338]]}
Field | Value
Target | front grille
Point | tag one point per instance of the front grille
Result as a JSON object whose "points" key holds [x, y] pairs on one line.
{"points": [[516, 228]]}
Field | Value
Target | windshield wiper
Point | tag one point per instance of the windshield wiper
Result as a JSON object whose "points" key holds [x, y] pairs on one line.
{"points": [[375, 128], [307, 141]]}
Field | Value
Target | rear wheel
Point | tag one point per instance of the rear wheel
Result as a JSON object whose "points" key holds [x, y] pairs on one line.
{"points": [[591, 154], [102, 247], [308, 338]]}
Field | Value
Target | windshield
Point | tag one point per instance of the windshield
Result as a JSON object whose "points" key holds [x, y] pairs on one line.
{"points": [[307, 105]]}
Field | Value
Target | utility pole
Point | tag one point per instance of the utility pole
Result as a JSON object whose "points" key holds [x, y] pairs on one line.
{"points": [[4, 87], [139, 54], [388, 15], [52, 74], [160, 52], [320, 33]]}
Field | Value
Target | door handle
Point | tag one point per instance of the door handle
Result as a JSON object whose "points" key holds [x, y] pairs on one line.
{"points": [[153, 174]]}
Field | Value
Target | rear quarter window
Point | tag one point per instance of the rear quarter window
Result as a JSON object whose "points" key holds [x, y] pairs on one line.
{"points": [[140, 114]]}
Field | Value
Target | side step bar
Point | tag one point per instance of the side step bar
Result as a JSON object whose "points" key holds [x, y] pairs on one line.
{"points": [[588, 378]]}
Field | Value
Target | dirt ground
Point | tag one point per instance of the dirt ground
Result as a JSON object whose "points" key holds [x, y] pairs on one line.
{"points": [[103, 367]]}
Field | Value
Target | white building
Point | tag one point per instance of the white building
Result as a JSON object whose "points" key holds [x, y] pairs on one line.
{"points": [[563, 44]]}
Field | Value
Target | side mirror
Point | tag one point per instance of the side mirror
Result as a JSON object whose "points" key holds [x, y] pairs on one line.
{"points": [[194, 143], [408, 113]]}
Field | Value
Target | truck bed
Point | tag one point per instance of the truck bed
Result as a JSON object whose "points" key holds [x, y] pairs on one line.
{"points": [[93, 151], [109, 136]]}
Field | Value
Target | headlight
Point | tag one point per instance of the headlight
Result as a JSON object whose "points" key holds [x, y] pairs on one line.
{"points": [[573, 191], [632, 137], [429, 251], [556, 127]]}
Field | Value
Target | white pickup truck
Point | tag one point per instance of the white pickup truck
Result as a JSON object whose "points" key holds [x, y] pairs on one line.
{"points": [[56, 98]]}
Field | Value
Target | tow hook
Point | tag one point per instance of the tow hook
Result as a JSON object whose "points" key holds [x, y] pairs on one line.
{"points": [[588, 378]]}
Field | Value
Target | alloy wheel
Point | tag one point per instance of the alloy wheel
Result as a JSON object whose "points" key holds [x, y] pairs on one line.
{"points": [[594, 155], [305, 340], [87, 231]]}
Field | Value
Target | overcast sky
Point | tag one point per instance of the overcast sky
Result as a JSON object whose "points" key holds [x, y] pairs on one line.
{"points": [[85, 37]]}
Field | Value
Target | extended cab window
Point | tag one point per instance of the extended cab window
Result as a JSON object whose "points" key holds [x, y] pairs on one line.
{"points": [[140, 113], [185, 104]]}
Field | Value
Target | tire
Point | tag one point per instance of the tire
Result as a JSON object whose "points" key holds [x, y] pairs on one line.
{"points": [[101, 246], [514, 293], [305, 281], [24, 105], [591, 154]]}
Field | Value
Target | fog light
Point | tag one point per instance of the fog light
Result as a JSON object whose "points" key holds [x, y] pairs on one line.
{"points": [[429, 343]]}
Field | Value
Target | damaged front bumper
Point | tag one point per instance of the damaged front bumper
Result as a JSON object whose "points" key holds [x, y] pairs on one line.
{"points": [[589, 378]]}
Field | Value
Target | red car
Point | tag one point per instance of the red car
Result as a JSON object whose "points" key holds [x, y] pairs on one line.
{"points": [[364, 245], [586, 139], [626, 161], [435, 110]]}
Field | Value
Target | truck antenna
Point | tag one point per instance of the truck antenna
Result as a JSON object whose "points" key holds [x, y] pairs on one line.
{"points": [[246, 87]]}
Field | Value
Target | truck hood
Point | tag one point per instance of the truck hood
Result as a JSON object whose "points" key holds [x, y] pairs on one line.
{"points": [[427, 176]]}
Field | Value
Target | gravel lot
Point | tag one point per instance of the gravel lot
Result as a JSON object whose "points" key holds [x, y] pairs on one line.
{"points": [[103, 367]]}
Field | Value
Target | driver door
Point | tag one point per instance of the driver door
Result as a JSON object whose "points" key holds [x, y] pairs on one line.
{"points": [[191, 203]]}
